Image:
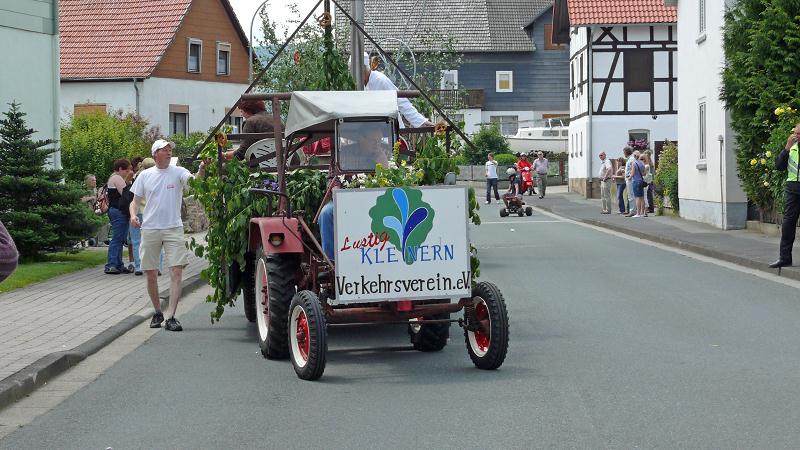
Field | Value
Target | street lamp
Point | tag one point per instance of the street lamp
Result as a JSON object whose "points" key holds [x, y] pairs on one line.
{"points": [[250, 44]]}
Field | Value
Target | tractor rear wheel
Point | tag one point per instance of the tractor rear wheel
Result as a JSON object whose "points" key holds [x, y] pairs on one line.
{"points": [[528, 211], [274, 288], [503, 212], [249, 287], [430, 337]]}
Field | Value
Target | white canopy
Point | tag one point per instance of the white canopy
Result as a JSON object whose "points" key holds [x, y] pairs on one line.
{"points": [[317, 110]]}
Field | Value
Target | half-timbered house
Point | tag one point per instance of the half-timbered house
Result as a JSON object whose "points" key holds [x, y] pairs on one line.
{"points": [[623, 79], [709, 190], [177, 63]]}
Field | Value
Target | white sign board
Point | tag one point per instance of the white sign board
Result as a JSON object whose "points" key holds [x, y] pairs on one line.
{"points": [[401, 243]]}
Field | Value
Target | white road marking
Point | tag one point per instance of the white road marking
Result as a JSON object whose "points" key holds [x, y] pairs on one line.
{"points": [[518, 222], [728, 265]]}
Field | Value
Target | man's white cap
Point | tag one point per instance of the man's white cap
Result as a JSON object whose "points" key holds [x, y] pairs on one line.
{"points": [[159, 144]]}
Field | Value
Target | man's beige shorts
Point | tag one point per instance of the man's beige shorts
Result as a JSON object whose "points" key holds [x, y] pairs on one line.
{"points": [[173, 243]]}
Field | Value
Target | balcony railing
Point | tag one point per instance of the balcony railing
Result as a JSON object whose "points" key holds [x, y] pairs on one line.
{"points": [[464, 98]]}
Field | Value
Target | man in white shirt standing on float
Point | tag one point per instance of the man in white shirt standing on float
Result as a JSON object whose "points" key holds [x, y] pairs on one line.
{"points": [[162, 187], [376, 81]]}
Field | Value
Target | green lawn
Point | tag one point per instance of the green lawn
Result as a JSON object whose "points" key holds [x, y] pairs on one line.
{"points": [[55, 264]]}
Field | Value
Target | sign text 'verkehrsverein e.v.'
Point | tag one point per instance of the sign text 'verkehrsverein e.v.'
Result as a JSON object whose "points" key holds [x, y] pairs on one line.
{"points": [[401, 243]]}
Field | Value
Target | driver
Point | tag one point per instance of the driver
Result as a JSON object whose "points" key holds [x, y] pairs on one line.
{"points": [[368, 150]]}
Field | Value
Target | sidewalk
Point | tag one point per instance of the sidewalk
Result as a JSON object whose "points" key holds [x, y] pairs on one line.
{"points": [[746, 248], [48, 327]]}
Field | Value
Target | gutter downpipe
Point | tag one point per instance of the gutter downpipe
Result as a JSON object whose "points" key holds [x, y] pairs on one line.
{"points": [[136, 88], [589, 108]]}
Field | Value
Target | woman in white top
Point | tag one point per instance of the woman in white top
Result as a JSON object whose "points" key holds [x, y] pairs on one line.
{"points": [[648, 178]]}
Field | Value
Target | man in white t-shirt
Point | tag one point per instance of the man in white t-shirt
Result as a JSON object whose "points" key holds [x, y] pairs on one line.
{"points": [[491, 179], [162, 187]]}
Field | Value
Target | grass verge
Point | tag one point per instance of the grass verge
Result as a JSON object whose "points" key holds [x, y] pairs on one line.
{"points": [[53, 265]]}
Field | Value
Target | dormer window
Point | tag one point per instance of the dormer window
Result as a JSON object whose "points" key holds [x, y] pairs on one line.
{"points": [[194, 55], [223, 58]]}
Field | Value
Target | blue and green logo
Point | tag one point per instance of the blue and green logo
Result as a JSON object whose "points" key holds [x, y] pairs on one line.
{"points": [[405, 218]]}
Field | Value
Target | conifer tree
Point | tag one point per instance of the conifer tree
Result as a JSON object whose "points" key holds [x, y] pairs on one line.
{"points": [[40, 212]]}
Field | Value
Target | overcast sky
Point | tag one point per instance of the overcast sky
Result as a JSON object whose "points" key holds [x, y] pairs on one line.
{"points": [[277, 9]]}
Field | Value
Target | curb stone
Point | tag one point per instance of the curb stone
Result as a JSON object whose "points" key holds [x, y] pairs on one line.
{"points": [[699, 249], [37, 374]]}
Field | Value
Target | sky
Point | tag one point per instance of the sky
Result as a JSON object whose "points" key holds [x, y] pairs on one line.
{"points": [[278, 9]]}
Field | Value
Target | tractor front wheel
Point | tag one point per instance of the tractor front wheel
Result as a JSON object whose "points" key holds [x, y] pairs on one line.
{"points": [[486, 327], [308, 341]]}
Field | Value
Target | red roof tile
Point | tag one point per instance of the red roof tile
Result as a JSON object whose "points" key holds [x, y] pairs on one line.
{"points": [[601, 12], [116, 38]]}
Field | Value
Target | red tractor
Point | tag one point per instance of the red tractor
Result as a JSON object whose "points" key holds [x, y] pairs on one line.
{"points": [[396, 255]]}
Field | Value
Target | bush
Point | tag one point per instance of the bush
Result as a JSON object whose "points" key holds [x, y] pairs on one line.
{"points": [[487, 139], [760, 74], [40, 212], [91, 142], [505, 159], [666, 178]]}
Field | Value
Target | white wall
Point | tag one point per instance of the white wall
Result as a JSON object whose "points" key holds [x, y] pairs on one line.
{"points": [[578, 104], [702, 183], [206, 100], [29, 76], [115, 94]]}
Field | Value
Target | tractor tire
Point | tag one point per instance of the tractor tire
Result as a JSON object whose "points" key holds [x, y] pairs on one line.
{"points": [[503, 212], [520, 212], [430, 337], [488, 346], [528, 211], [249, 287], [277, 273], [308, 340]]}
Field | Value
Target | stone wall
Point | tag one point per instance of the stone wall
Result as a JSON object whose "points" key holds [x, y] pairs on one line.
{"points": [[193, 216]]}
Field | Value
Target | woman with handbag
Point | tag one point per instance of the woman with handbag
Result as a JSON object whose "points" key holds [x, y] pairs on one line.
{"points": [[638, 185], [649, 178], [117, 194]]}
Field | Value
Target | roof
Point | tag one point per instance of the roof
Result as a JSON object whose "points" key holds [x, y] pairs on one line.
{"points": [[120, 38], [317, 110], [608, 12], [474, 25]]}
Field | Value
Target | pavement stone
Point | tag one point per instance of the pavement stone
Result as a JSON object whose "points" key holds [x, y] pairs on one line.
{"points": [[744, 247], [50, 326]]}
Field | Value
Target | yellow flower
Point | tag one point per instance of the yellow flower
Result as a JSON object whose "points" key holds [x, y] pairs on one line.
{"points": [[763, 161], [766, 184], [753, 162], [779, 110], [769, 154]]}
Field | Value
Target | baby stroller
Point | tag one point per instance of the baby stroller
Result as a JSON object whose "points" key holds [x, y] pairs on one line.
{"points": [[513, 201]]}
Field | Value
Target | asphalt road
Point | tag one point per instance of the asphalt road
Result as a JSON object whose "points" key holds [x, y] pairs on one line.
{"points": [[614, 344]]}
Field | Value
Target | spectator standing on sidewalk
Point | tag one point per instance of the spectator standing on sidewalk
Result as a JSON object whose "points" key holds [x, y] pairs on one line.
{"points": [[649, 174], [606, 174], [162, 187], [638, 186], [789, 160], [619, 177], [491, 179], [119, 220], [629, 162], [8, 253], [541, 167]]}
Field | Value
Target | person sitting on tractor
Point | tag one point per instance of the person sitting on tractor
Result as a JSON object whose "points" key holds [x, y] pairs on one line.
{"points": [[512, 186], [256, 120], [369, 147]]}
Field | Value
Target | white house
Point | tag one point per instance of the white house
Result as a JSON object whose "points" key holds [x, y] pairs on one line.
{"points": [[709, 189], [623, 80], [177, 63], [29, 73]]}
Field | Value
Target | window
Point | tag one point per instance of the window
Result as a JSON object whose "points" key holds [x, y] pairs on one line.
{"points": [[504, 81], [638, 70], [580, 80], [508, 124], [195, 55], [449, 79], [572, 78], [548, 38], [179, 119], [456, 118], [223, 58], [701, 16], [701, 125]]}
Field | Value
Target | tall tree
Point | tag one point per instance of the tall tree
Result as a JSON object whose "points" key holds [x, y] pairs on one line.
{"points": [[40, 212]]}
